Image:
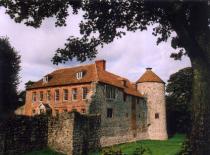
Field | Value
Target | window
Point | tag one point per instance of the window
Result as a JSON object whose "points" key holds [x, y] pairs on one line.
{"points": [[48, 95], [124, 97], [57, 95], [110, 92], [84, 93], [34, 97], [41, 96], [156, 115], [79, 75], [83, 110], [126, 114], [74, 94], [65, 94], [109, 112], [45, 79]]}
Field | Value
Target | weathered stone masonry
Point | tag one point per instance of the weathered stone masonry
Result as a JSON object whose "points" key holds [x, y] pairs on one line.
{"points": [[127, 124], [69, 133]]}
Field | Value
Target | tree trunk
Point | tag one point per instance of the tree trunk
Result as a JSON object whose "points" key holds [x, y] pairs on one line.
{"points": [[200, 135]]}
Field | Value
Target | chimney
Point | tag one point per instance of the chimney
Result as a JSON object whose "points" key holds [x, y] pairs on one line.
{"points": [[101, 64], [148, 69]]}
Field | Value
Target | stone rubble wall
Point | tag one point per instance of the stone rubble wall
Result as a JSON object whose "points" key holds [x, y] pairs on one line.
{"points": [[21, 134], [69, 133], [118, 129], [86, 133]]}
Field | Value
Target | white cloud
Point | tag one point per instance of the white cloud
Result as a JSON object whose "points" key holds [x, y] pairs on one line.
{"points": [[128, 56]]}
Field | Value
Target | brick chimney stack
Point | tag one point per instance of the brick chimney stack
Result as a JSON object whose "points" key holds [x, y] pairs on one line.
{"points": [[101, 64]]}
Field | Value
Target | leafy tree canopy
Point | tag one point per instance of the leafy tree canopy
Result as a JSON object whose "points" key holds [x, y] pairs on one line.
{"points": [[105, 20], [178, 101], [9, 79], [28, 84]]}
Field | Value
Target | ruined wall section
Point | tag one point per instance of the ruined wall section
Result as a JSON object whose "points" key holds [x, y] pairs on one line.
{"points": [[155, 94], [69, 133], [60, 133], [22, 134]]}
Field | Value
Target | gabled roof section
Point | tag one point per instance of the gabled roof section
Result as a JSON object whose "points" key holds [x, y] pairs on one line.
{"points": [[92, 73], [149, 76], [67, 76]]}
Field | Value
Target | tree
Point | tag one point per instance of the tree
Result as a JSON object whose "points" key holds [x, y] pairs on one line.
{"points": [[9, 79], [178, 101], [105, 20], [28, 84]]}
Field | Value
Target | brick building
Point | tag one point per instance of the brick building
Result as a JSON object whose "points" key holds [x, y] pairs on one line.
{"points": [[129, 111]]}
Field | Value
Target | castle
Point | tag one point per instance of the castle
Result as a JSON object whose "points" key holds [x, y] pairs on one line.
{"points": [[128, 111]]}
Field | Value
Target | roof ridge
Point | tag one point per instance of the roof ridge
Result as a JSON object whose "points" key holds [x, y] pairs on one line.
{"points": [[119, 76], [73, 67]]}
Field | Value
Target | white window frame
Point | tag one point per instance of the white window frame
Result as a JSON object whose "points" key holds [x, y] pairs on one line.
{"points": [[48, 96], [57, 90], [64, 94], [34, 97], [45, 79], [73, 93], [83, 88], [41, 92], [79, 75]]}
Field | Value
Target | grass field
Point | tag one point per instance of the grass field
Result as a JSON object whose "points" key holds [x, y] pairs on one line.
{"points": [[155, 147], [168, 147], [43, 152]]}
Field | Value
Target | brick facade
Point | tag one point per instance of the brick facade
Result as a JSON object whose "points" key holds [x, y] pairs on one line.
{"points": [[61, 105]]}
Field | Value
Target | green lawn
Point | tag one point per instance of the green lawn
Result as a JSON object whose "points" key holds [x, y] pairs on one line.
{"points": [[43, 152], [168, 147], [155, 147]]}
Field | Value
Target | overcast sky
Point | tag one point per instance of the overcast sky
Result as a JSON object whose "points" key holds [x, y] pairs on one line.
{"points": [[128, 56]]}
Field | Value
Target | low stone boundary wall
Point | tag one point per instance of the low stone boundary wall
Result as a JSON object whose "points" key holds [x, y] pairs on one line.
{"points": [[74, 133], [70, 133], [21, 134]]}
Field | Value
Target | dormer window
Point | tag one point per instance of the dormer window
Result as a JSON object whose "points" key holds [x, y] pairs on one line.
{"points": [[45, 79], [79, 75]]}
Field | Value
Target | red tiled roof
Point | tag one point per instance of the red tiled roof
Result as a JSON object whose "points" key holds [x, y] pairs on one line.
{"points": [[149, 76], [67, 76]]}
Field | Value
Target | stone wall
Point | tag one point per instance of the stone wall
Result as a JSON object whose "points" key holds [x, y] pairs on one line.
{"points": [[118, 129], [86, 133], [155, 93], [22, 134], [73, 133], [60, 133], [69, 133]]}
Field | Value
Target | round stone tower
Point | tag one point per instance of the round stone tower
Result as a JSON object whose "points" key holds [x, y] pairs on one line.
{"points": [[153, 88]]}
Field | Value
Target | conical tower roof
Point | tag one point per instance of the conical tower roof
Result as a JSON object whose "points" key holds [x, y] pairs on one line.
{"points": [[149, 76]]}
